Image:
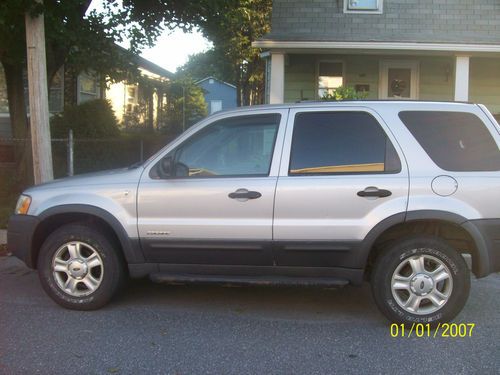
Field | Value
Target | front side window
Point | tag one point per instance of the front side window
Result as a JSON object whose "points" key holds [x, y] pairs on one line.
{"points": [[330, 77], [238, 146], [455, 141], [326, 143]]}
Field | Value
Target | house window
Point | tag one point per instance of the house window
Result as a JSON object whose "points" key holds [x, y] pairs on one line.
{"points": [[363, 6], [4, 103], [211, 81], [215, 106], [88, 87], [132, 98], [56, 92], [330, 76]]}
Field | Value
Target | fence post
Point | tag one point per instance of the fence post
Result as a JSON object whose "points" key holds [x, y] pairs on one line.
{"points": [[70, 153], [142, 150]]}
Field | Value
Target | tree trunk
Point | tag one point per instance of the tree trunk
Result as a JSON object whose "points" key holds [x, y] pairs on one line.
{"points": [[19, 123]]}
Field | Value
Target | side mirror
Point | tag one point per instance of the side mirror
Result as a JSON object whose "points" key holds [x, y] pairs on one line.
{"points": [[165, 167]]}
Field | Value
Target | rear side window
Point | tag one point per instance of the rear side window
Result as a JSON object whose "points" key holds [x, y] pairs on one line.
{"points": [[340, 143], [455, 141]]}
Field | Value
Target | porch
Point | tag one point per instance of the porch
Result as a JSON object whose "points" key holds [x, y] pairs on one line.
{"points": [[449, 76]]}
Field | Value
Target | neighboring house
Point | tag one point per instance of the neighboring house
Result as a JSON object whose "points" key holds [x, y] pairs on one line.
{"points": [[135, 104], [219, 95], [393, 49]]}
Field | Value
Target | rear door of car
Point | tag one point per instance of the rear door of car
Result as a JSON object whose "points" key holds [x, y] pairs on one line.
{"points": [[341, 174]]}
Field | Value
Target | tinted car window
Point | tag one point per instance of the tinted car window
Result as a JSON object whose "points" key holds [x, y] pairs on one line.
{"points": [[340, 142], [239, 146], [455, 141]]}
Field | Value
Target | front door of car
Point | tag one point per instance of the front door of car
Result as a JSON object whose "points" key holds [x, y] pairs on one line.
{"points": [[341, 174], [209, 198]]}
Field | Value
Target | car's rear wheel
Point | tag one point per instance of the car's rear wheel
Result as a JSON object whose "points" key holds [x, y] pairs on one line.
{"points": [[420, 279], [80, 267]]}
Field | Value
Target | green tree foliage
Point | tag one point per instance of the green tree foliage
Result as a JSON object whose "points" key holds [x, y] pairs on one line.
{"points": [[344, 93], [72, 36], [185, 105], [231, 25], [207, 64], [93, 119], [85, 40], [232, 32]]}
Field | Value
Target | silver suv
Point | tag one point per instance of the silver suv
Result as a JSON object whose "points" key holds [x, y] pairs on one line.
{"points": [[403, 194]]}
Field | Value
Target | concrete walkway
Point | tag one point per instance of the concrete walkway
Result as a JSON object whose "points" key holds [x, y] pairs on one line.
{"points": [[3, 236]]}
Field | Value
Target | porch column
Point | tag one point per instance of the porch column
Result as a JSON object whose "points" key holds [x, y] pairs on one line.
{"points": [[462, 78], [277, 84]]}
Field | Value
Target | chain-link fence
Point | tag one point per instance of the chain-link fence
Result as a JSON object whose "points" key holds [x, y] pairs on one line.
{"points": [[75, 156]]}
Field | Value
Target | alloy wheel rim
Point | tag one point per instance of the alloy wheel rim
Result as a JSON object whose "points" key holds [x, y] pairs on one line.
{"points": [[77, 269], [421, 284]]}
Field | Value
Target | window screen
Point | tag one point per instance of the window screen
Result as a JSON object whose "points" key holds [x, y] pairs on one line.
{"points": [[340, 142], [455, 141]]}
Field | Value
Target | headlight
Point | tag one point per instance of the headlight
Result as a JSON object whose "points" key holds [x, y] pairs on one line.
{"points": [[23, 204]]}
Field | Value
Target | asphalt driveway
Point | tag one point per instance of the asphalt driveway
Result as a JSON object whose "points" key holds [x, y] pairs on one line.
{"points": [[160, 329]]}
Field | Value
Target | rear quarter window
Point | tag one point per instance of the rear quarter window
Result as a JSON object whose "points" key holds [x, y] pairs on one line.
{"points": [[455, 141]]}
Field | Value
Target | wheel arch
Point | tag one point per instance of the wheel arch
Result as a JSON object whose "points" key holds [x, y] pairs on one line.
{"points": [[54, 217], [451, 227]]}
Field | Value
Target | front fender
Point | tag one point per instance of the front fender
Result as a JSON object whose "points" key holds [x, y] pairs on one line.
{"points": [[130, 245]]}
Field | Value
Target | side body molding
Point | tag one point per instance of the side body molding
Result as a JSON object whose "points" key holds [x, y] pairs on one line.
{"points": [[131, 247]]}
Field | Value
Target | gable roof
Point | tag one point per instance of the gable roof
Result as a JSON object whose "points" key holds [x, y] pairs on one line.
{"points": [[216, 79], [145, 64], [153, 68]]}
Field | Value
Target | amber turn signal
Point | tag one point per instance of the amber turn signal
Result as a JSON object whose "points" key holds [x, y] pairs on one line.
{"points": [[23, 205]]}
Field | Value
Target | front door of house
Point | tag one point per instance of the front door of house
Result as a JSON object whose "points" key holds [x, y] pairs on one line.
{"points": [[398, 79]]}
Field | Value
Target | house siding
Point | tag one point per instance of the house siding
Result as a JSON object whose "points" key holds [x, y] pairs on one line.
{"points": [[219, 91], [445, 21], [435, 82], [484, 86]]}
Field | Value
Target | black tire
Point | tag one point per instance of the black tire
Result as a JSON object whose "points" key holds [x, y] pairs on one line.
{"points": [[113, 270], [429, 249]]}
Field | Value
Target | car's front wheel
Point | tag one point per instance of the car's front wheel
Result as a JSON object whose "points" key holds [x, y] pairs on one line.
{"points": [[79, 267], [420, 280]]}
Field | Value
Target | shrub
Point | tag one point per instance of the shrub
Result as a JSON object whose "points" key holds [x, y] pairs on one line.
{"points": [[92, 119], [344, 93]]}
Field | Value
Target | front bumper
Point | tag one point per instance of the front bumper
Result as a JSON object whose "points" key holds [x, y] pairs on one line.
{"points": [[486, 234], [20, 232]]}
